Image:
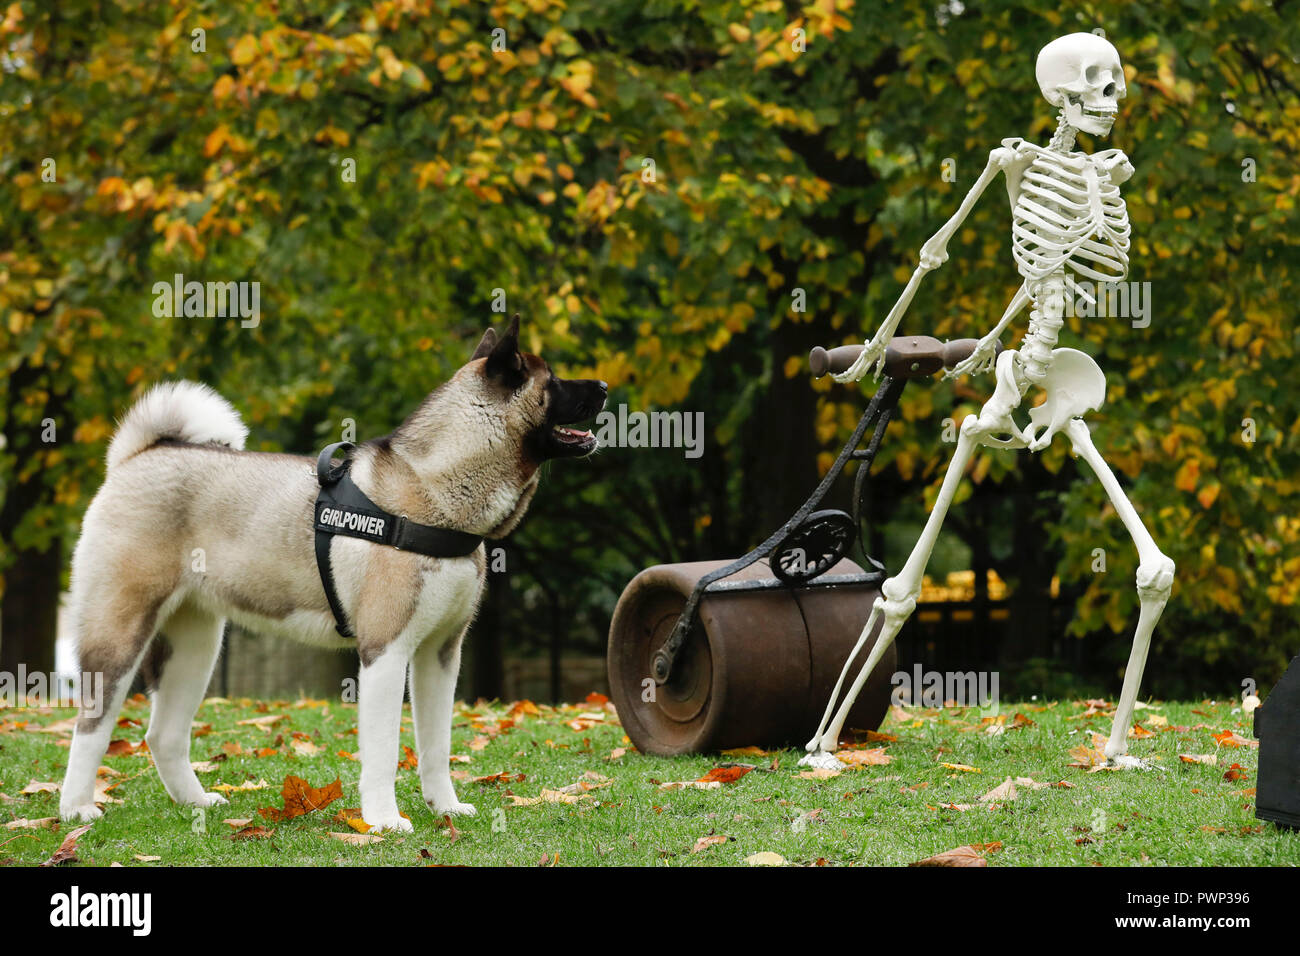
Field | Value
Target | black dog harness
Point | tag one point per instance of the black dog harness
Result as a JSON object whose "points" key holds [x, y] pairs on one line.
{"points": [[343, 508]]}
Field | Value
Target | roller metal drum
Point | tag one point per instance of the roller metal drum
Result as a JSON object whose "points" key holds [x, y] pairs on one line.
{"points": [[759, 668]]}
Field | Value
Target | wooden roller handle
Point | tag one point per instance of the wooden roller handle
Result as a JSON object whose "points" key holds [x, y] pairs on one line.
{"points": [[907, 356]]}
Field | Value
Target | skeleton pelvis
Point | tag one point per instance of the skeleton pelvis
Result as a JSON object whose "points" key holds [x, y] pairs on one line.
{"points": [[1074, 384]]}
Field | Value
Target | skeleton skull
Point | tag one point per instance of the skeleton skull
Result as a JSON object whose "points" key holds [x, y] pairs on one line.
{"points": [[1082, 73]]}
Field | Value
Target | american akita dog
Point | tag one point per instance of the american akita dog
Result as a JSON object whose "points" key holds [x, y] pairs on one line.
{"points": [[466, 459]]}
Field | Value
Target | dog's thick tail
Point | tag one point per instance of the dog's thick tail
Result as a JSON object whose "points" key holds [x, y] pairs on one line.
{"points": [[176, 411]]}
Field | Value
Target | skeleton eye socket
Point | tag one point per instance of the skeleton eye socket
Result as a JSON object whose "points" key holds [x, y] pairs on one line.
{"points": [[1090, 74]]}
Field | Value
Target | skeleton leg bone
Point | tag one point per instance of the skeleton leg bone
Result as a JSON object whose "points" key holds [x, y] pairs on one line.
{"points": [[1155, 579], [899, 595]]}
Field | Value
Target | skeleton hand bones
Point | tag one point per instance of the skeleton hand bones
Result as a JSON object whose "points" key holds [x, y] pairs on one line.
{"points": [[979, 361], [1116, 163]]}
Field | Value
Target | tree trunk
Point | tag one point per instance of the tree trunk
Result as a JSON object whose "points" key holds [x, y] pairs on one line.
{"points": [[487, 649], [781, 446], [29, 612]]}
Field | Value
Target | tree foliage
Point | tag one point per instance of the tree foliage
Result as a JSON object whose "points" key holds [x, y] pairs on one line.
{"points": [[650, 184]]}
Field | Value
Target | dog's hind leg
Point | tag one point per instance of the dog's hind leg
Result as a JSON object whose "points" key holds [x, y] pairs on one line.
{"points": [[433, 692], [110, 661], [189, 643]]}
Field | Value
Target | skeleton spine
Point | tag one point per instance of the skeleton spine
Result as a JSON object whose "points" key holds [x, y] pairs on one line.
{"points": [[1063, 138], [1045, 322]]}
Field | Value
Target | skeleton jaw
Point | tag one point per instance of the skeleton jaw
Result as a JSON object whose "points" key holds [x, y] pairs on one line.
{"points": [[1096, 121]]}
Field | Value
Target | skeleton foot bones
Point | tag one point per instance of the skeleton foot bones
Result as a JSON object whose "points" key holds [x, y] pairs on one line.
{"points": [[1068, 220]]}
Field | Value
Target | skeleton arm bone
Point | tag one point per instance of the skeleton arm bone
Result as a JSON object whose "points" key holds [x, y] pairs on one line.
{"points": [[933, 254], [982, 359]]}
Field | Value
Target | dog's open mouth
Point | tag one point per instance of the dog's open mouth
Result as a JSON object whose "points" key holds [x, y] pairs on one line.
{"points": [[567, 441]]}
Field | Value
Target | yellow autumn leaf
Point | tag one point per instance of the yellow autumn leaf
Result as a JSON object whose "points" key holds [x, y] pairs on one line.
{"points": [[244, 51]]}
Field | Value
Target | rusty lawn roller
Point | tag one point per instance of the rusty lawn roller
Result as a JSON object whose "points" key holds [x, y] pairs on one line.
{"points": [[709, 655]]}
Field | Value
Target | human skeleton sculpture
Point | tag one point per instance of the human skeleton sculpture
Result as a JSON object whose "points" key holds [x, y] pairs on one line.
{"points": [[1068, 220]]}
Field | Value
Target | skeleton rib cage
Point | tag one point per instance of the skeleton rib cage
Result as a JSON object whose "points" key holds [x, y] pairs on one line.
{"points": [[1067, 216]]}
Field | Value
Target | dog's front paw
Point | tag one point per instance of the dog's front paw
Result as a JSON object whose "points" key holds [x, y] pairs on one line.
{"points": [[453, 807], [83, 814], [391, 822], [209, 800]]}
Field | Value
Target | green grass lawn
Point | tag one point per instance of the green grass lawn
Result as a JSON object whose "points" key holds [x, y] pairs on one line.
{"points": [[893, 813]]}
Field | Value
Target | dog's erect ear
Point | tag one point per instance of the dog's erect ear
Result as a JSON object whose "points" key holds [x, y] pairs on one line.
{"points": [[485, 345], [504, 361]]}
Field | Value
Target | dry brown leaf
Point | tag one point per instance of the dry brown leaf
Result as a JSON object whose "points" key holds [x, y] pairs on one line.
{"points": [[1229, 738], [963, 768], [692, 785], [357, 839], [505, 776], [820, 773], [524, 708], [1085, 756], [875, 757], [42, 823], [102, 788], [1006, 790], [547, 796], [704, 842], [726, 773], [67, 851], [971, 855], [301, 798], [264, 723]]}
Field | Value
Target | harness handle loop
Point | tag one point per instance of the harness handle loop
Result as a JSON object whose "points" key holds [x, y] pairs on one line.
{"points": [[327, 475]]}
